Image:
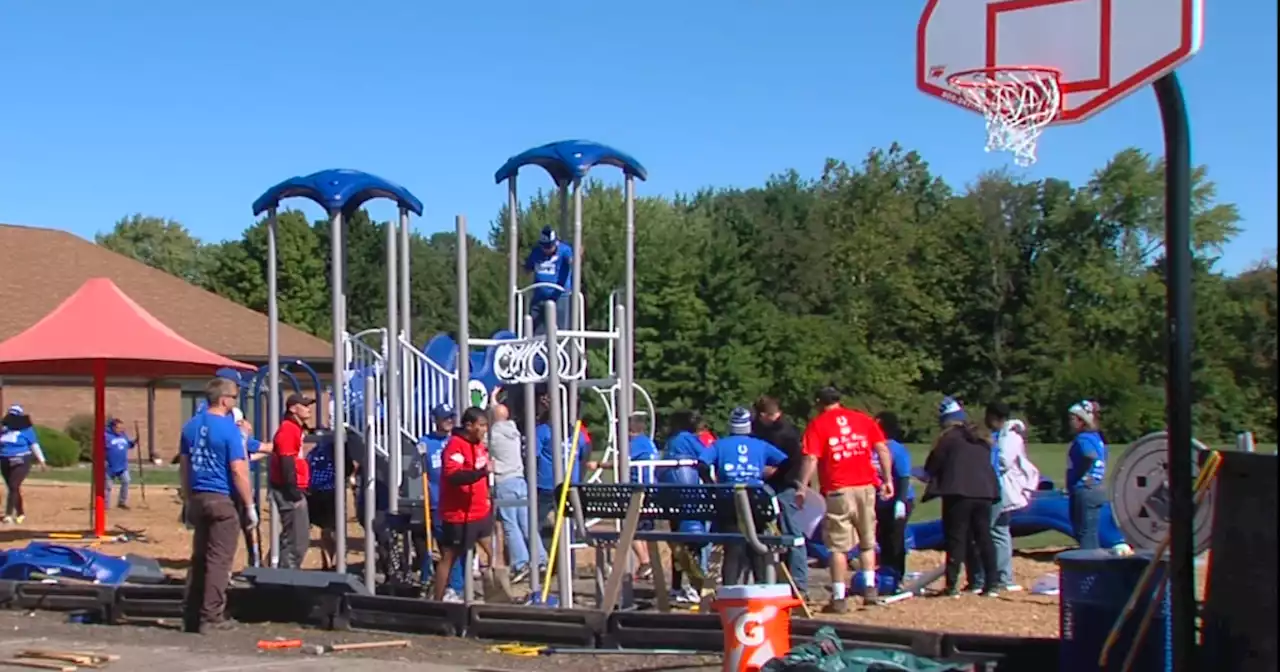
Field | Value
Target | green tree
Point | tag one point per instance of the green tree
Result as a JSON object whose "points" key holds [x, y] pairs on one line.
{"points": [[159, 243]]}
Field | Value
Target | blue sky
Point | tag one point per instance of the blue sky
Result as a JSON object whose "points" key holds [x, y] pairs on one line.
{"points": [[190, 110]]}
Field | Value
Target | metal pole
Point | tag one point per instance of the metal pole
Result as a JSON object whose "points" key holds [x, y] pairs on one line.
{"points": [[273, 366], [623, 402], [1244, 442], [368, 479], [531, 471], [564, 574], [464, 328], [406, 288], [1179, 324], [629, 291], [339, 389], [392, 377], [513, 253], [577, 320], [151, 421]]}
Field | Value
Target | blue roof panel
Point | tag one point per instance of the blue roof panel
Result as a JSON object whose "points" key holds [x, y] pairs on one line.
{"points": [[337, 189], [568, 160]]}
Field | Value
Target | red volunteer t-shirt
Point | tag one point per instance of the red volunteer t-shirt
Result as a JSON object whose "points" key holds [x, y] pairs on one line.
{"points": [[463, 503], [287, 445], [843, 441]]}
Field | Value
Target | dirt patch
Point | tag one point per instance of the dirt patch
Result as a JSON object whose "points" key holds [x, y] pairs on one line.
{"points": [[63, 507]]}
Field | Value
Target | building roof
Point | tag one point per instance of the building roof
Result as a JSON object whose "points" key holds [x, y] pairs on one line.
{"points": [[42, 267]]}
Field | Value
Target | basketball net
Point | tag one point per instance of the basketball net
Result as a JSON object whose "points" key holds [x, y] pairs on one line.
{"points": [[1018, 102]]}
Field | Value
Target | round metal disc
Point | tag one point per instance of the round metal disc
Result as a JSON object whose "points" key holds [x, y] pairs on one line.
{"points": [[1140, 496]]}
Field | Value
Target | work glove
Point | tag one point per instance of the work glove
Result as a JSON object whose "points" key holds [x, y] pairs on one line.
{"points": [[899, 510], [250, 518]]}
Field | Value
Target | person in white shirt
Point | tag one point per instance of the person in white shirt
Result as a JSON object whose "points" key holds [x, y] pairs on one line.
{"points": [[1019, 479]]}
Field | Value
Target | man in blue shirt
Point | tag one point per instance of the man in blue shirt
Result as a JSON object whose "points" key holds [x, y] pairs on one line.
{"points": [[892, 513], [430, 449], [551, 263], [213, 469], [740, 458], [118, 446]]}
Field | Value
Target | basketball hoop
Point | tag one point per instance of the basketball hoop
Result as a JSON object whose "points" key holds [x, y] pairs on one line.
{"points": [[1018, 103]]}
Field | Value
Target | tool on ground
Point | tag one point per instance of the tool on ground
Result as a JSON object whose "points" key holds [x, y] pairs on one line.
{"points": [[564, 498], [426, 511], [1202, 486], [275, 644], [36, 663], [530, 651], [358, 646], [142, 475], [82, 658], [133, 535]]}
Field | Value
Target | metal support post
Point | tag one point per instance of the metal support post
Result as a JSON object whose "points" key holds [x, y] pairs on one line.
{"points": [[339, 389], [564, 574], [392, 376], [273, 367]]}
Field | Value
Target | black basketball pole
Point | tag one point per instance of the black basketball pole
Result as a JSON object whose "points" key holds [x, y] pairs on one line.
{"points": [[1178, 325]]}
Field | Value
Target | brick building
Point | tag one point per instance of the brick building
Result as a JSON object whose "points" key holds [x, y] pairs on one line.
{"points": [[43, 267]]}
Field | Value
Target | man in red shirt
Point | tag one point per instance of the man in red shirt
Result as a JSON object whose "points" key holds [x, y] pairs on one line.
{"points": [[838, 444], [464, 494], [289, 477]]}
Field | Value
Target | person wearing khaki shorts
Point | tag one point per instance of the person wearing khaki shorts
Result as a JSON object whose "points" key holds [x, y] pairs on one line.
{"points": [[851, 522]]}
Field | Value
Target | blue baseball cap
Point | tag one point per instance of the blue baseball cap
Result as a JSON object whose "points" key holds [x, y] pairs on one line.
{"points": [[228, 373], [442, 412], [548, 236]]}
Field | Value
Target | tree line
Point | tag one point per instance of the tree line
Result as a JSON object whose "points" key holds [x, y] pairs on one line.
{"points": [[877, 276]]}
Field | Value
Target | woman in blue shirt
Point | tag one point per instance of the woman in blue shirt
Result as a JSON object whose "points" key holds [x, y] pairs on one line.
{"points": [[1086, 473], [18, 447]]}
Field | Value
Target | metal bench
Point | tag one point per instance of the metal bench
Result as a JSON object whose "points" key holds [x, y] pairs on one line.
{"points": [[739, 516]]}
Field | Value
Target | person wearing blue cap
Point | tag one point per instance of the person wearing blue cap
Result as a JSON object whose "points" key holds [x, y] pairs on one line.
{"points": [[740, 458], [551, 263], [18, 446], [431, 451], [118, 444], [959, 469]]}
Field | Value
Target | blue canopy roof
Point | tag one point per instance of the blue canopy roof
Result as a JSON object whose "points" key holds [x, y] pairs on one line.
{"points": [[337, 189], [568, 160]]}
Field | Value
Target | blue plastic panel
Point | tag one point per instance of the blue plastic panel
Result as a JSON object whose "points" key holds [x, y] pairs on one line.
{"points": [[568, 160], [337, 189]]}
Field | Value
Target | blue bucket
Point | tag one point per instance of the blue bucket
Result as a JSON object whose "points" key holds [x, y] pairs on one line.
{"points": [[1095, 585]]}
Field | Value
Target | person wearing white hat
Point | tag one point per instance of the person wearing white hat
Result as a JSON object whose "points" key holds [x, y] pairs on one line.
{"points": [[18, 446], [1086, 473]]}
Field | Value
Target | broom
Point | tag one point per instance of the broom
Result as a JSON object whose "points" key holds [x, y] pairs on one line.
{"points": [[564, 498]]}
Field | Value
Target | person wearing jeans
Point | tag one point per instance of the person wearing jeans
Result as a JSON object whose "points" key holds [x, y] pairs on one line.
{"points": [[118, 445], [1086, 473], [290, 476], [1019, 479], [771, 426], [511, 486]]}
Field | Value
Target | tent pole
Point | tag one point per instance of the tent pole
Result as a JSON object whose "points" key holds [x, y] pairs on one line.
{"points": [[99, 447]]}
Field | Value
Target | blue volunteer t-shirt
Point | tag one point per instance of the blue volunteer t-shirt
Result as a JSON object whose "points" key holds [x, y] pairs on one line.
{"points": [[118, 446], [643, 449], [741, 459], [18, 442], [681, 446], [1086, 461], [430, 450], [556, 268], [546, 475], [211, 443], [901, 465]]}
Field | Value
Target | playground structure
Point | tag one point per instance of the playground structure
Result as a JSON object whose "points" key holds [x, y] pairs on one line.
{"points": [[388, 385]]}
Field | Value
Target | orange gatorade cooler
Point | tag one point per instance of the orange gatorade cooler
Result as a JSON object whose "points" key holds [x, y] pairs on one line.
{"points": [[757, 624]]}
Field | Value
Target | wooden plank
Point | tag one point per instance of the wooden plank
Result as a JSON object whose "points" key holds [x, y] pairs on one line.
{"points": [[661, 593], [32, 663], [613, 587]]}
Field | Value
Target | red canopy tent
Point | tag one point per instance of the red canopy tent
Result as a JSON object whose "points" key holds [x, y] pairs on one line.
{"points": [[99, 331]]}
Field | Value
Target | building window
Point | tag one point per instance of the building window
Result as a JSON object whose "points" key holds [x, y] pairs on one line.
{"points": [[190, 400]]}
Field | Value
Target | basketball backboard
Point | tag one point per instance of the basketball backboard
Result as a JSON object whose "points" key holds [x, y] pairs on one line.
{"points": [[1106, 49]]}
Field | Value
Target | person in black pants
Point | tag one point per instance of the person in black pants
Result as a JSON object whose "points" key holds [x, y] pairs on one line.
{"points": [[892, 514], [959, 469]]}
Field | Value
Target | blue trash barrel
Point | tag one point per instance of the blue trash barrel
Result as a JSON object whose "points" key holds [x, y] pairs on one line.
{"points": [[1095, 585]]}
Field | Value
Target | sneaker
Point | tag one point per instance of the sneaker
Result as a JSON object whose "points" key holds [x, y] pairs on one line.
{"points": [[1011, 588], [225, 625], [990, 592], [520, 574], [122, 506], [951, 592], [451, 595], [8, 520], [840, 606], [20, 520], [972, 589], [644, 572], [870, 596], [686, 595]]}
